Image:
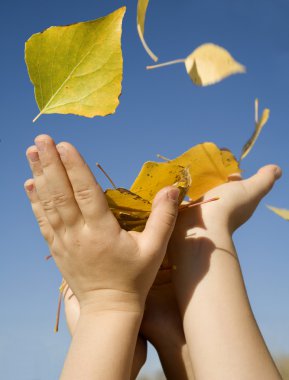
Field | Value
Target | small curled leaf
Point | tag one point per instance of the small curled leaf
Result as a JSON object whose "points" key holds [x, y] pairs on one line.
{"points": [[259, 124], [208, 64], [141, 16]]}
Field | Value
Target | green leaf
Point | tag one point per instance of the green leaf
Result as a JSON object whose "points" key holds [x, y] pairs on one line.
{"points": [[77, 68]]}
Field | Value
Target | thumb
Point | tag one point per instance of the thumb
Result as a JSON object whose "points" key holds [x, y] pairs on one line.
{"points": [[161, 222], [261, 183]]}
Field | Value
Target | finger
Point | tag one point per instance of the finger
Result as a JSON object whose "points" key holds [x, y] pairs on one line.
{"points": [[261, 183], [57, 181], [38, 211], [87, 192], [42, 191], [162, 219]]}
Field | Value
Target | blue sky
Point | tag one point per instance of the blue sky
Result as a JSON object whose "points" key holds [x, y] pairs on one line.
{"points": [[160, 111]]}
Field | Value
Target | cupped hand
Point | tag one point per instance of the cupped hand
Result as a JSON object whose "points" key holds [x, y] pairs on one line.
{"points": [[238, 199], [105, 266], [201, 230]]}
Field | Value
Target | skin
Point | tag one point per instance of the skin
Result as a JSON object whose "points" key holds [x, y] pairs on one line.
{"points": [[223, 339], [109, 277], [215, 324], [161, 326], [72, 313]]}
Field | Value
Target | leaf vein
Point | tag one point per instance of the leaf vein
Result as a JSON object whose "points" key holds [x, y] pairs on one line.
{"points": [[86, 96], [70, 75]]}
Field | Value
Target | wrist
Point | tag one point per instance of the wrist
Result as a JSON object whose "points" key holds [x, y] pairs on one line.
{"points": [[215, 232], [111, 301], [103, 334], [202, 240], [193, 260]]}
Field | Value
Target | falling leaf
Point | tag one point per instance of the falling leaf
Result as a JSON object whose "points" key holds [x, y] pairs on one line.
{"points": [[259, 124], [141, 16], [208, 166], [281, 212], [77, 68], [208, 64]]}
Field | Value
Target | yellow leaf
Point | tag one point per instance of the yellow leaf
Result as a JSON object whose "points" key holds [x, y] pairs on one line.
{"points": [[208, 166], [281, 212], [141, 15], [259, 124], [229, 161], [77, 68], [126, 200], [131, 209], [208, 64], [156, 175]]}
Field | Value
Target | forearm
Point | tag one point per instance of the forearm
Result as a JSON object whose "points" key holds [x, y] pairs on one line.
{"points": [[219, 325], [175, 360], [139, 358], [103, 346]]}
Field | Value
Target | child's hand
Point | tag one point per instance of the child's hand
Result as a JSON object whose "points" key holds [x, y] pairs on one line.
{"points": [[108, 269], [238, 200], [104, 265]]}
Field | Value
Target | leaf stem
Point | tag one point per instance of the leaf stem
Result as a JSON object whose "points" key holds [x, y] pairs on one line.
{"points": [[106, 175], [163, 158], [58, 313], [166, 64], [147, 49], [40, 113], [256, 111], [194, 203]]}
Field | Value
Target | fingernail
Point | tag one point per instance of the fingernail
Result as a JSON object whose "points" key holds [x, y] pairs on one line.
{"points": [[41, 145], [29, 187], [278, 172], [33, 156], [173, 194], [61, 150]]}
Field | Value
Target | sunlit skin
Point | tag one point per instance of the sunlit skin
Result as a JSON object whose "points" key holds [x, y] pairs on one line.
{"points": [[223, 339], [161, 326], [109, 270], [204, 312], [193, 243]]}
